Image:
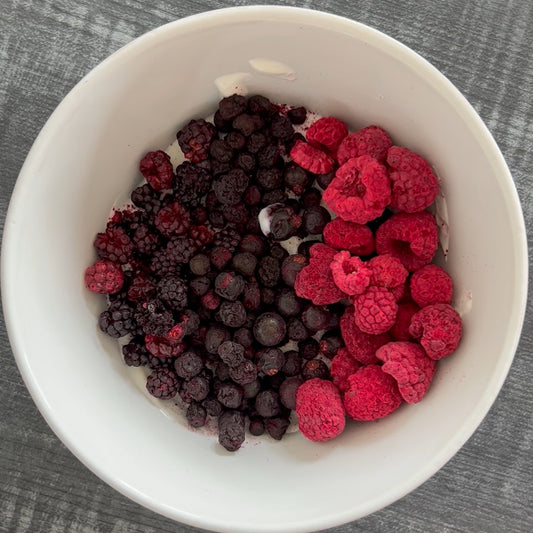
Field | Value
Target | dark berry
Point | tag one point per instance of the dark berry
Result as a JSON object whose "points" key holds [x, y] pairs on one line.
{"points": [[215, 336], [195, 389], [270, 361], [278, 252], [244, 337], [311, 198], [191, 183], [180, 250], [287, 303], [162, 383], [269, 179], [220, 256], [268, 271], [256, 141], [276, 196], [245, 161], [199, 215], [231, 353], [232, 314], [230, 395], [303, 247], [268, 156], [135, 354], [210, 301], [146, 198], [245, 263], [162, 348], [254, 244], [236, 214], [142, 287], [223, 126], [261, 105], [291, 266], [308, 348], [195, 138], [212, 406], [236, 140], [244, 373], [330, 343], [188, 364], [323, 180], [296, 178], [154, 318], [231, 430], [115, 245], [200, 264], [284, 223], [252, 196], [196, 415], [229, 285], [251, 297], [256, 427], [228, 238], [157, 170], [199, 286], [315, 368], [247, 124], [252, 388], [277, 426], [297, 115], [145, 240], [172, 290], [287, 391], [232, 106], [226, 189], [268, 296], [221, 150], [293, 363], [316, 318], [267, 403], [314, 219], [269, 329], [281, 127], [222, 371], [296, 331]]}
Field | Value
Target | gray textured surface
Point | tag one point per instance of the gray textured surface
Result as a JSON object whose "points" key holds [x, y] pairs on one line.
{"points": [[484, 47]]}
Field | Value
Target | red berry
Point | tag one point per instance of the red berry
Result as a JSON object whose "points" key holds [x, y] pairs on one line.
{"points": [[375, 310], [340, 234], [114, 244], [350, 274], [319, 410], [388, 272], [104, 277], [372, 141], [371, 394], [161, 347], [311, 158], [343, 365], [157, 170], [400, 330], [328, 132], [360, 190], [431, 285]]}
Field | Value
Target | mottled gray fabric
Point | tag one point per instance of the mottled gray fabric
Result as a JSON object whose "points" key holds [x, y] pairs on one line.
{"points": [[484, 47]]}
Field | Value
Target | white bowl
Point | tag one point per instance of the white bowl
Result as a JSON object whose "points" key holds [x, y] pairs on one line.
{"points": [[86, 158]]}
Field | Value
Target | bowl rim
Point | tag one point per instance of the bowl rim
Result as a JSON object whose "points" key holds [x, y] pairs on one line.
{"points": [[248, 14]]}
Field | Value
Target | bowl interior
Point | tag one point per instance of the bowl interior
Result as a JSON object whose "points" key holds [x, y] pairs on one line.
{"points": [[86, 158]]}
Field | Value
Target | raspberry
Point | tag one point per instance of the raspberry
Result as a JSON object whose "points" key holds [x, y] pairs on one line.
{"points": [[411, 237], [172, 220], [315, 281], [431, 285], [157, 170], [400, 330], [371, 394], [328, 132], [162, 383], [375, 310], [160, 347], [104, 277], [350, 274], [195, 138], [319, 410], [115, 245], [439, 329], [172, 290], [372, 141], [117, 320], [387, 271], [191, 183], [340, 234], [310, 158], [343, 365], [414, 185], [360, 190], [200, 236], [361, 345], [409, 365]]}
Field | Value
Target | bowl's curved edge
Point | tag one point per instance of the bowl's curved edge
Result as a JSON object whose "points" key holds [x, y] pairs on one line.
{"points": [[336, 23]]}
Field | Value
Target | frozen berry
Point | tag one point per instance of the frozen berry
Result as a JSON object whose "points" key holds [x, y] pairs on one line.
{"points": [[199, 264], [270, 361], [162, 383], [343, 365], [244, 373], [195, 389], [375, 310], [191, 183], [296, 331], [267, 403], [328, 132], [281, 127], [287, 303], [230, 395], [172, 290], [277, 426], [291, 266], [195, 138], [115, 245], [231, 353], [372, 141], [315, 318], [311, 158], [431, 284], [314, 219], [308, 348], [196, 415], [357, 239], [269, 329], [231, 430], [330, 343], [297, 115], [296, 178], [104, 277], [268, 271], [256, 427], [188, 364], [284, 222], [157, 170], [215, 336], [117, 320], [229, 285], [315, 368], [350, 274]]}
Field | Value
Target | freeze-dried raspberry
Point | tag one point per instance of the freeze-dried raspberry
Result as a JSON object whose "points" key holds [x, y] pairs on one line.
{"points": [[343, 365], [411, 237], [162, 348], [315, 281], [328, 132], [114, 244], [360, 190], [310, 158], [350, 274], [431, 285], [439, 329], [371, 394], [195, 139], [361, 345], [375, 310], [157, 170], [172, 220], [104, 277], [414, 185], [319, 410], [400, 330], [372, 141], [200, 236], [358, 239], [388, 272], [409, 365]]}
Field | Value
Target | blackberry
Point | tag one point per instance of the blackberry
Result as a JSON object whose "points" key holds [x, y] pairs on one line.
{"points": [[231, 430], [157, 170], [316, 318], [244, 263], [230, 186], [134, 353], [256, 427], [267, 403], [232, 314], [244, 373], [256, 142], [118, 319], [228, 238], [268, 156], [154, 318], [196, 415], [229, 285], [195, 389], [277, 426], [191, 183], [269, 179], [172, 290], [297, 115], [146, 242], [141, 287], [230, 395], [276, 196], [195, 138], [232, 106], [269, 329], [315, 368], [287, 303], [296, 331], [255, 244], [268, 271], [231, 353], [218, 167], [215, 336], [236, 214], [247, 124], [147, 199], [188, 364], [236, 140], [314, 219], [291, 266], [115, 245], [293, 363], [200, 265], [246, 162], [223, 126], [162, 383], [296, 178], [270, 361], [172, 219], [180, 250], [281, 128], [221, 150], [308, 348]]}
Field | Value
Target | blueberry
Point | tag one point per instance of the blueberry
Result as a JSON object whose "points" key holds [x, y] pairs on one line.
{"points": [[267, 403], [231, 430], [291, 266], [214, 337], [293, 363], [314, 219], [256, 427], [287, 303], [244, 263], [229, 285], [244, 373], [316, 318], [308, 348], [315, 368], [297, 115], [230, 395], [231, 353], [200, 264], [232, 314], [287, 391], [277, 426], [269, 329], [188, 364], [268, 271], [270, 361], [196, 415]]}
